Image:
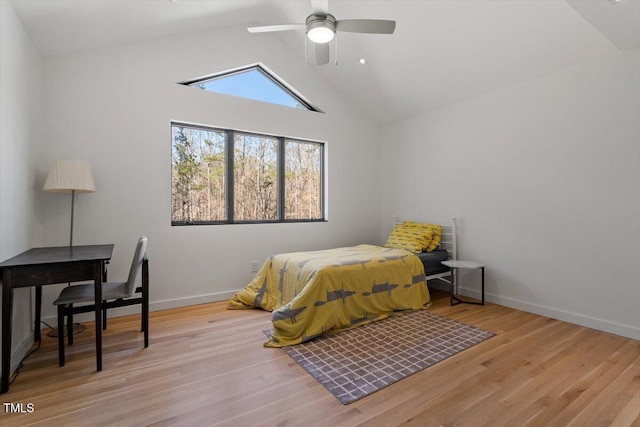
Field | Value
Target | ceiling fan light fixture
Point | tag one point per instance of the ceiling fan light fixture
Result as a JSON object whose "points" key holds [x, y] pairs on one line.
{"points": [[320, 35], [321, 28]]}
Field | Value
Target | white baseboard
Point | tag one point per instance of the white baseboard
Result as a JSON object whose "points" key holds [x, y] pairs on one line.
{"points": [[566, 316]]}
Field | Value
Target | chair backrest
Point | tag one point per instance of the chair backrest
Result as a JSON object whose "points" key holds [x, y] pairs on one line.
{"points": [[136, 265]]}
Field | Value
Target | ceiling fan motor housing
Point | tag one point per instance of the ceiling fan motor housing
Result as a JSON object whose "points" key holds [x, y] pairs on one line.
{"points": [[324, 22]]}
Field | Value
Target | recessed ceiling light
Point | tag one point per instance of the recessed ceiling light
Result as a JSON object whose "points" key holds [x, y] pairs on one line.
{"points": [[615, 1], [362, 61]]}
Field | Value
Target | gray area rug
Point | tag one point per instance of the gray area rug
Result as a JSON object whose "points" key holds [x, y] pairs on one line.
{"points": [[357, 362]]}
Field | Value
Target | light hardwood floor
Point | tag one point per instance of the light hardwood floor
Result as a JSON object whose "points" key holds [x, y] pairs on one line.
{"points": [[207, 366]]}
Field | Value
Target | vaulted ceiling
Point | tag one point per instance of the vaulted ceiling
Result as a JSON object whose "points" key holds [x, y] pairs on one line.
{"points": [[442, 51]]}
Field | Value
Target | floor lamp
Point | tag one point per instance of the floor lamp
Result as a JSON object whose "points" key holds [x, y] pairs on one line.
{"points": [[70, 176]]}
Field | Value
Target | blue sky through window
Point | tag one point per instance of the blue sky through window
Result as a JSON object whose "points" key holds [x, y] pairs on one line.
{"points": [[252, 84]]}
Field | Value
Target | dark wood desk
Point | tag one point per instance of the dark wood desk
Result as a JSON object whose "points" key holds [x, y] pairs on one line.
{"points": [[45, 266]]}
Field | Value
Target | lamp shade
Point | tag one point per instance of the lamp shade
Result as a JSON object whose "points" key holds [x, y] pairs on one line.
{"points": [[66, 176]]}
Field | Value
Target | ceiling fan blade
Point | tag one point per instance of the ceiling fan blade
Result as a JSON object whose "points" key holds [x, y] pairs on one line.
{"points": [[320, 6], [271, 28], [372, 26], [322, 53]]}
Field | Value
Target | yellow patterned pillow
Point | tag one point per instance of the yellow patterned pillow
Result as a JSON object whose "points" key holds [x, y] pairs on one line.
{"points": [[410, 239], [433, 232]]}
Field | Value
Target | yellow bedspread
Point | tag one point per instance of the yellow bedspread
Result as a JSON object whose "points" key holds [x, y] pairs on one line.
{"points": [[311, 293]]}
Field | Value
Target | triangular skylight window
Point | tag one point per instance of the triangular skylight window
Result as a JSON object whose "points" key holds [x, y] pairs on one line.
{"points": [[253, 82]]}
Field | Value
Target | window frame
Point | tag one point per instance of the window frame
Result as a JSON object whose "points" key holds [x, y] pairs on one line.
{"points": [[229, 176]]}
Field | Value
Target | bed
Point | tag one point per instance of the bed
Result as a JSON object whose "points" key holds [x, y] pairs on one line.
{"points": [[312, 293]]}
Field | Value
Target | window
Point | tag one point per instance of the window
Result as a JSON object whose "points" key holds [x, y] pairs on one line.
{"points": [[302, 180], [255, 177], [198, 174], [253, 82], [222, 176]]}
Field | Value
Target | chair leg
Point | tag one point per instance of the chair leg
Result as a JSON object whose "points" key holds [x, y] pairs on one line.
{"points": [[145, 318], [145, 324], [144, 314], [104, 315], [145, 301], [70, 325], [60, 335], [142, 319]]}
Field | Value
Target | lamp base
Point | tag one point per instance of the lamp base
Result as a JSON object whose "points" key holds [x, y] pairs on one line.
{"points": [[77, 328]]}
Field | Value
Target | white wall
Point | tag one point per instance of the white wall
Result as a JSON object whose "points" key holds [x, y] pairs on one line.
{"points": [[20, 123], [545, 177], [113, 107]]}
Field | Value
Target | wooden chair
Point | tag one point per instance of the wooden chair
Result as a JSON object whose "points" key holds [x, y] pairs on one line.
{"points": [[114, 294]]}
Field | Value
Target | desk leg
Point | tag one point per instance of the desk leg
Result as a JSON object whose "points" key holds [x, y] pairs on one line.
{"points": [[97, 278], [7, 309], [36, 326], [482, 285]]}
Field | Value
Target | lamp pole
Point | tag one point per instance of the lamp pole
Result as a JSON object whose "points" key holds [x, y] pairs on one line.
{"points": [[69, 176], [73, 198]]}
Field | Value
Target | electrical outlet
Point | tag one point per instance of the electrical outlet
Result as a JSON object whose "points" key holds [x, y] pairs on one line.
{"points": [[254, 266]]}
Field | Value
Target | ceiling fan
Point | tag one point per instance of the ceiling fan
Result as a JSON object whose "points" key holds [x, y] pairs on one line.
{"points": [[321, 28]]}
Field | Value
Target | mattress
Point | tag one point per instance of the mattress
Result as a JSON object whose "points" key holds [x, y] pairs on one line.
{"points": [[432, 261]]}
